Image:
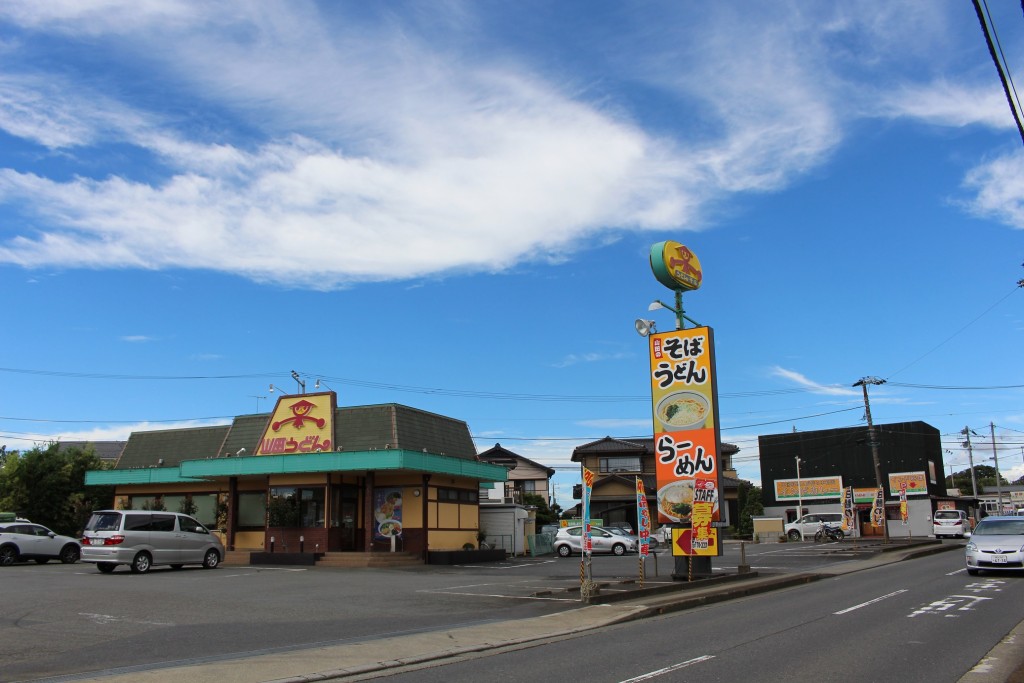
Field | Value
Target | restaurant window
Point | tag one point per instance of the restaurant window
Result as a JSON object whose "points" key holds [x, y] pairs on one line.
{"points": [[201, 506], [611, 465], [457, 495], [297, 507], [252, 509]]}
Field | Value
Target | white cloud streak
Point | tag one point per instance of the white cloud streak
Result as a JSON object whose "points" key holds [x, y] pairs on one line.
{"points": [[803, 381]]}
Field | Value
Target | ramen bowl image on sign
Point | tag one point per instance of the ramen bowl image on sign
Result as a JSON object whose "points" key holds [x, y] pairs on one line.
{"points": [[682, 411]]}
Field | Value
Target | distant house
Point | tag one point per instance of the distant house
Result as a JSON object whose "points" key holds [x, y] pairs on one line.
{"points": [[524, 476], [618, 462]]}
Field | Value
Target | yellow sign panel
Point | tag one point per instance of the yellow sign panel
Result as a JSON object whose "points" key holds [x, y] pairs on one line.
{"points": [[808, 488], [686, 437], [300, 424], [913, 481]]}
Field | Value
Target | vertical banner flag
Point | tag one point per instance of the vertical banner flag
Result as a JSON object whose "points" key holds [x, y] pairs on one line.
{"points": [[848, 509], [643, 516], [588, 486], [686, 437], [878, 508], [904, 514]]}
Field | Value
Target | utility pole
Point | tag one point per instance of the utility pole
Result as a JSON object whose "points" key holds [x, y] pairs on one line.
{"points": [[873, 442], [970, 460], [995, 457], [799, 500]]}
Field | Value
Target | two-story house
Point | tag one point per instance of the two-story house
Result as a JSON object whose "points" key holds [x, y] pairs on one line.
{"points": [[524, 476], [618, 462]]}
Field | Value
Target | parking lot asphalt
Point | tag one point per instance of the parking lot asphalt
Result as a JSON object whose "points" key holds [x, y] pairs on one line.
{"points": [[612, 601]]}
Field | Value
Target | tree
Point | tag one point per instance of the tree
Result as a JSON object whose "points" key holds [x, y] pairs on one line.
{"points": [[750, 505], [47, 485], [545, 514], [984, 475]]}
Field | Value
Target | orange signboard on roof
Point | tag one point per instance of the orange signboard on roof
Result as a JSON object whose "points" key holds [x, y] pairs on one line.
{"points": [[300, 424]]}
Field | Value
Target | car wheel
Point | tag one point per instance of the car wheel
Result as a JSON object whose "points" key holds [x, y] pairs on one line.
{"points": [[972, 572], [618, 549], [794, 535], [211, 560], [8, 555], [563, 551], [69, 554], [105, 567], [141, 563]]}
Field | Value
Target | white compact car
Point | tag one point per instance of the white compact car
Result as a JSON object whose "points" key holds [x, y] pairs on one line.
{"points": [[569, 540]]}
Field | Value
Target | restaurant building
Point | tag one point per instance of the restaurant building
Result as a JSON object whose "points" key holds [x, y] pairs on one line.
{"points": [[314, 478], [809, 470]]}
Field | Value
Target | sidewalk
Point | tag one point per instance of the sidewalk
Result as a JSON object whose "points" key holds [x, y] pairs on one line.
{"points": [[616, 603]]}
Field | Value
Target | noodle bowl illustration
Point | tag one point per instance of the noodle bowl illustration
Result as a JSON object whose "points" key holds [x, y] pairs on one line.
{"points": [[683, 410]]}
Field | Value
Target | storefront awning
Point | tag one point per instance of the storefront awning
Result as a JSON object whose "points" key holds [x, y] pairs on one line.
{"points": [[356, 461]]}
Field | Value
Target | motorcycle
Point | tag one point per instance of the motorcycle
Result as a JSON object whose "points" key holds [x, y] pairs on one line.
{"points": [[827, 533]]}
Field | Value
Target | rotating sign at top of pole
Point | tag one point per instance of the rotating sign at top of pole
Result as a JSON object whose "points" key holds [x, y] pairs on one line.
{"points": [[678, 268]]}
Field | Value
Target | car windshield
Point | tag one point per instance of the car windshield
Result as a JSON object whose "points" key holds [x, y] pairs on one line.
{"points": [[1000, 527], [947, 515]]}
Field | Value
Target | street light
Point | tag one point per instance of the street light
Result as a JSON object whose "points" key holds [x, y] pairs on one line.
{"points": [[873, 442], [677, 309]]}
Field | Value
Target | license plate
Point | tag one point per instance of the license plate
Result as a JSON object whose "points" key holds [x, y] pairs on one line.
{"points": [[999, 559]]}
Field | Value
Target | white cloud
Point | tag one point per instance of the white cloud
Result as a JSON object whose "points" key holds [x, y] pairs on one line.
{"points": [[594, 357], [366, 133], [946, 103], [999, 189], [118, 432], [803, 381], [135, 338]]}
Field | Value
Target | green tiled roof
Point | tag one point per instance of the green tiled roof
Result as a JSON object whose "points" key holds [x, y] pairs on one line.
{"points": [[171, 446], [389, 426]]}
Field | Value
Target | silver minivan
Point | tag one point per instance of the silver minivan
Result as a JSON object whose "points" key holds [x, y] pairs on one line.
{"points": [[143, 539]]}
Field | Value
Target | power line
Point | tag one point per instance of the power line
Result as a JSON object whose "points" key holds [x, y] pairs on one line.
{"points": [[992, 40]]}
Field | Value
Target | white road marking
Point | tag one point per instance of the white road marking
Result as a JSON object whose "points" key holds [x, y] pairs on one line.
{"points": [[110, 619], [669, 669], [871, 602]]}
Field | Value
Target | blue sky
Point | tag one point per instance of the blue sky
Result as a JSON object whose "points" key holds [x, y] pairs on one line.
{"points": [[451, 206]]}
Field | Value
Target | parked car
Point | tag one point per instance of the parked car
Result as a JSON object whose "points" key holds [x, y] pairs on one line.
{"points": [[996, 543], [143, 540], [619, 531], [810, 523], [26, 541], [954, 523], [569, 540], [625, 526]]}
